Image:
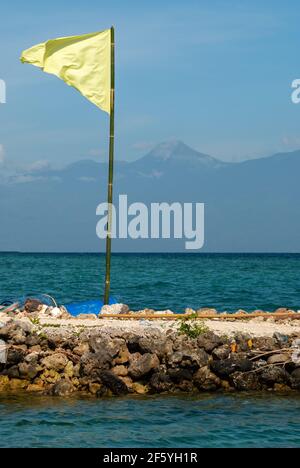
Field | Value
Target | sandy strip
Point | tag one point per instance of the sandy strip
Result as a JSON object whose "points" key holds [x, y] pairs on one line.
{"points": [[253, 327]]}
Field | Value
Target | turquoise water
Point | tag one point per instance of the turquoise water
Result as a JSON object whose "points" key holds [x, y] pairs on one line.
{"points": [[227, 282], [176, 281], [206, 421]]}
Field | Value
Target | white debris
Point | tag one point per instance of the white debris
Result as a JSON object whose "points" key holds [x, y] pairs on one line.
{"points": [[296, 351], [3, 352], [163, 312], [55, 312]]}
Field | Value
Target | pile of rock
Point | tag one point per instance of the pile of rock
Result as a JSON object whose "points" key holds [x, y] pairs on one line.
{"points": [[207, 311], [114, 309], [62, 361], [123, 309], [35, 309]]}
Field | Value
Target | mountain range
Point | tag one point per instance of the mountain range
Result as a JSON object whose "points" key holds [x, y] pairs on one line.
{"points": [[250, 206]]}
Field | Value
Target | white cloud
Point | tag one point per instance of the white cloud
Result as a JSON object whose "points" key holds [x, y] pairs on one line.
{"points": [[1, 153], [22, 179], [38, 166], [87, 179], [26, 178]]}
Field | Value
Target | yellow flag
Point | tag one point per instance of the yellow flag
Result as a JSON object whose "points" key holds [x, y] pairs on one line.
{"points": [[81, 61]]}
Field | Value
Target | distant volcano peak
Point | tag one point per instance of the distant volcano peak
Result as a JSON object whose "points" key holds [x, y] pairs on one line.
{"points": [[167, 149], [178, 152]]}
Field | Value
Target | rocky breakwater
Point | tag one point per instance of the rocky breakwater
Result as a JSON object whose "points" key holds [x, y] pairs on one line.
{"points": [[57, 360]]}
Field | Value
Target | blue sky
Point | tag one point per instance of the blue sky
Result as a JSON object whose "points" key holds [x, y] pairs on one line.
{"points": [[214, 74]]}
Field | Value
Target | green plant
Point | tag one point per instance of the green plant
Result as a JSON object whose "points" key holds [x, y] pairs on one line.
{"points": [[79, 331], [42, 335], [34, 320], [192, 316], [192, 327], [55, 325]]}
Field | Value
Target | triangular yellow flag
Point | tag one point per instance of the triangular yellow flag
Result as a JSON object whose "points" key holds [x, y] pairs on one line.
{"points": [[83, 62]]}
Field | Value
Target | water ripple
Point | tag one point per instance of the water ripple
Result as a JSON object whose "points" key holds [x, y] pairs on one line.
{"points": [[204, 421], [175, 281]]}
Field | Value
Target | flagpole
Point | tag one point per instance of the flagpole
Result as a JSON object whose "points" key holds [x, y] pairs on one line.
{"points": [[111, 167]]}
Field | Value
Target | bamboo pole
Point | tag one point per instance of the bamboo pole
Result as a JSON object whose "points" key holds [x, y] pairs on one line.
{"points": [[111, 167]]}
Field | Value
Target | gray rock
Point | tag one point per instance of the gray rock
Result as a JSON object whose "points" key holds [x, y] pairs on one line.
{"points": [[32, 358], [105, 344], [123, 356], [12, 372], [13, 332], [295, 379], [185, 386], [114, 309], [245, 381], [133, 343], [32, 305], [114, 383], [161, 382], [296, 373], [62, 388], [143, 365], [81, 349], [134, 357], [241, 363], [221, 352], [32, 340], [18, 337], [274, 374], [56, 361], [278, 358], [179, 375], [91, 363], [160, 346], [70, 344], [120, 371], [6, 331], [206, 380], [224, 368], [15, 355], [76, 370], [209, 341], [189, 357], [265, 343], [28, 371], [55, 341], [103, 392], [25, 325]]}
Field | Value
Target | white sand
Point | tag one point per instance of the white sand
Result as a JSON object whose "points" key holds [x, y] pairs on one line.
{"points": [[220, 327], [254, 327]]}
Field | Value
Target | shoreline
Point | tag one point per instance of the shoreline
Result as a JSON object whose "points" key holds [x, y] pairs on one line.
{"points": [[107, 357]]}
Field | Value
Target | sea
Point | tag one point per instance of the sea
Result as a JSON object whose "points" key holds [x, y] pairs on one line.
{"points": [[227, 282]]}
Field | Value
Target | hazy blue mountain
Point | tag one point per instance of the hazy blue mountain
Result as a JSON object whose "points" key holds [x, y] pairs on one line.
{"points": [[249, 206]]}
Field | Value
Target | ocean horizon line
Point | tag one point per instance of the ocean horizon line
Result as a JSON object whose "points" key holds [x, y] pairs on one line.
{"points": [[20, 252]]}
